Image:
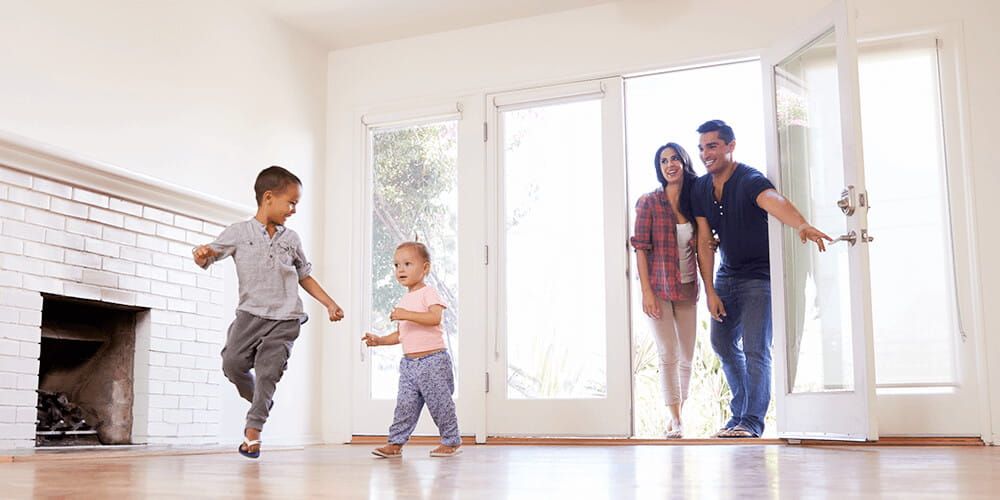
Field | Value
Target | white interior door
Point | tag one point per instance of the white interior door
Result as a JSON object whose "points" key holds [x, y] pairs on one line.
{"points": [[559, 360], [825, 371], [423, 180]]}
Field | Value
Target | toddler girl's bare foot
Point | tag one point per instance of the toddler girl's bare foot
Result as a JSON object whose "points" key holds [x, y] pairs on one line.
{"points": [[389, 451], [446, 451]]}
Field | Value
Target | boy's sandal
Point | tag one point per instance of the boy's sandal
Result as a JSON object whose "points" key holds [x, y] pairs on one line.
{"points": [[446, 451], [738, 433], [387, 452], [247, 443], [674, 434]]}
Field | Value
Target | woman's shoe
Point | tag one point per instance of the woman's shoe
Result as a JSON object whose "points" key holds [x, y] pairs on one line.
{"points": [[674, 430]]}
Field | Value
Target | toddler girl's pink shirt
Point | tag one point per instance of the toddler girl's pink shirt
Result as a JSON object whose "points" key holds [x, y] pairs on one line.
{"points": [[416, 337]]}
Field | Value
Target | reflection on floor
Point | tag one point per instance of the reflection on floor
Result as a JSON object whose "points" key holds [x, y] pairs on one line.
{"points": [[497, 471]]}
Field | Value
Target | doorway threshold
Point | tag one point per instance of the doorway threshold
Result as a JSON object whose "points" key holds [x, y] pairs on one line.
{"points": [[581, 441], [613, 441]]}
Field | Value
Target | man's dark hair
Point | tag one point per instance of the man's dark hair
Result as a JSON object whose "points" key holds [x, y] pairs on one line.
{"points": [[725, 131], [274, 179]]}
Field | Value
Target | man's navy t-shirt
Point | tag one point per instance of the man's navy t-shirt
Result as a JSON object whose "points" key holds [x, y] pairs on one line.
{"points": [[739, 222]]}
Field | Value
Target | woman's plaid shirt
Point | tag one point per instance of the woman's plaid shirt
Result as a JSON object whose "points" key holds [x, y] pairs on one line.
{"points": [[656, 233]]}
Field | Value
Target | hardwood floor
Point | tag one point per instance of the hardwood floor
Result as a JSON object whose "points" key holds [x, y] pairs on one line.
{"points": [[516, 472]]}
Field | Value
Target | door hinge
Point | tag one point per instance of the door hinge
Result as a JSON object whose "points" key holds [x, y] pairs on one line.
{"points": [[485, 135], [486, 255], [487, 381]]}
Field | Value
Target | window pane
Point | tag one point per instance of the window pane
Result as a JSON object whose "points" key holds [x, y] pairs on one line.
{"points": [[415, 191], [554, 252], [913, 301]]}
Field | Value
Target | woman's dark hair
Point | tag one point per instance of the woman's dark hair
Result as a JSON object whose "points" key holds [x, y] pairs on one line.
{"points": [[689, 175]]}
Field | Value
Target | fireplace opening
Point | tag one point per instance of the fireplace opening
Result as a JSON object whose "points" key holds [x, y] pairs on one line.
{"points": [[86, 380]]}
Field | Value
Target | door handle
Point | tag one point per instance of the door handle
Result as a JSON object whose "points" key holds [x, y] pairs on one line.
{"points": [[851, 237]]}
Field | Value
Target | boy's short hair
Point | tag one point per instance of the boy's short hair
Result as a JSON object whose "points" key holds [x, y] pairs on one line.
{"points": [[274, 179], [725, 131], [420, 247]]}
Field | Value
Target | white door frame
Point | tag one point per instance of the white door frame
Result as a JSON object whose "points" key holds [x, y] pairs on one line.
{"points": [[955, 111], [374, 416], [610, 416]]}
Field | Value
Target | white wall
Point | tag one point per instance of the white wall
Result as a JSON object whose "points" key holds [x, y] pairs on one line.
{"points": [[611, 39], [202, 94]]}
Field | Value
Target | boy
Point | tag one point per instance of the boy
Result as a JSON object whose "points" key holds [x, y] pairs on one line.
{"points": [[270, 264]]}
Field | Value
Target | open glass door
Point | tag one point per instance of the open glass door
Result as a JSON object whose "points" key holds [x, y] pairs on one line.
{"points": [[825, 383], [559, 360]]}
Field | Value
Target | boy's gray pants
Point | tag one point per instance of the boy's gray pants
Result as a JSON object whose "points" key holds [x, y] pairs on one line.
{"points": [[264, 345]]}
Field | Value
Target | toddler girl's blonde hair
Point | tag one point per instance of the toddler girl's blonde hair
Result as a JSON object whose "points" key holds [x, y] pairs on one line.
{"points": [[420, 247]]}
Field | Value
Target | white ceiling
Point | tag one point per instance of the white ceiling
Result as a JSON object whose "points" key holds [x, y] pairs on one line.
{"points": [[347, 23]]}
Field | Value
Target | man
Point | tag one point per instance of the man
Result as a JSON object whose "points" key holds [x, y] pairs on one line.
{"points": [[733, 201]]}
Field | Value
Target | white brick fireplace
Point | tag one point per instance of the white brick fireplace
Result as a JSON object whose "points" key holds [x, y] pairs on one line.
{"points": [[79, 229]]}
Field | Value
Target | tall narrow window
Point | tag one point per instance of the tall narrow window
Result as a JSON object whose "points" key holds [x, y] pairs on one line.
{"points": [[913, 284]]}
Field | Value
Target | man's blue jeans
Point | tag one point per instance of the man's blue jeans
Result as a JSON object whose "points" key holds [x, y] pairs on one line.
{"points": [[743, 343]]}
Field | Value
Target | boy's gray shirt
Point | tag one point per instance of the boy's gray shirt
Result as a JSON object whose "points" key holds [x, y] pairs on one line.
{"points": [[269, 269]]}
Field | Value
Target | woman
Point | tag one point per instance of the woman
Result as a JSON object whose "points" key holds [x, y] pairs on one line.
{"points": [[665, 245]]}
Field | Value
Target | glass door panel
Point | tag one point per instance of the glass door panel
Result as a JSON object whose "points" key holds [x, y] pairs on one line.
{"points": [[415, 196], [559, 363], [818, 314], [555, 315]]}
